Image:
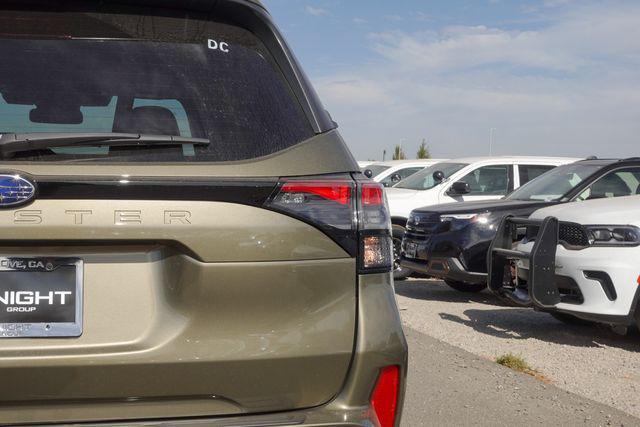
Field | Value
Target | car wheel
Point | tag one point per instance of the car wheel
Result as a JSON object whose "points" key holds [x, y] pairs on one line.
{"points": [[571, 320], [466, 287], [399, 272]]}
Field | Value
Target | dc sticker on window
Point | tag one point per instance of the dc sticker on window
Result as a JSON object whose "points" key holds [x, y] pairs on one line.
{"points": [[216, 45]]}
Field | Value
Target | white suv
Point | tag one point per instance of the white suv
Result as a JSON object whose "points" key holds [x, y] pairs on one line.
{"points": [[468, 179], [578, 261]]}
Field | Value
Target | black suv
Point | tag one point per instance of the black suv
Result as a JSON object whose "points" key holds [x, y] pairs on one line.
{"points": [[450, 241]]}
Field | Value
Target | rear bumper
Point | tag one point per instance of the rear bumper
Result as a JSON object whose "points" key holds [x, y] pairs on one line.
{"points": [[317, 417], [444, 268]]}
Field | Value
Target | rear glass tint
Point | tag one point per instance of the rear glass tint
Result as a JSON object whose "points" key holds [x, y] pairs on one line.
{"points": [[168, 75]]}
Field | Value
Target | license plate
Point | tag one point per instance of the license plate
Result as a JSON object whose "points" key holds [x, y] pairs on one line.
{"points": [[410, 250], [40, 297]]}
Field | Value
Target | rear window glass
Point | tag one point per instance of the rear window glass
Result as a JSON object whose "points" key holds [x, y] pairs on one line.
{"points": [[104, 72]]}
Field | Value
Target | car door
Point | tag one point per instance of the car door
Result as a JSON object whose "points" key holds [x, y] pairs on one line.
{"points": [[486, 182]]}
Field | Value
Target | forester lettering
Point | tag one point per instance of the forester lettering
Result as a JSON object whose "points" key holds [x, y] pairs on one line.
{"points": [[119, 217]]}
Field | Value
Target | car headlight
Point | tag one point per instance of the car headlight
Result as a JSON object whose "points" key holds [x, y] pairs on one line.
{"points": [[613, 235], [459, 221]]}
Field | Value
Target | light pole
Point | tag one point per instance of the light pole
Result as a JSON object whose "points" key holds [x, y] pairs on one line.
{"points": [[491, 130]]}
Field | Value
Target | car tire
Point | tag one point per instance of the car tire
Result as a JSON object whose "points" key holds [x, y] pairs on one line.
{"points": [[466, 287], [399, 272], [568, 319]]}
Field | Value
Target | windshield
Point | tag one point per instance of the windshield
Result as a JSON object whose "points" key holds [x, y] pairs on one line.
{"points": [[377, 169], [553, 185], [184, 78], [423, 180]]}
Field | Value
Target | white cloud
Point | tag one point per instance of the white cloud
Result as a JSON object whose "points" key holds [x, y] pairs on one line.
{"points": [[360, 21], [571, 88], [462, 47], [355, 91], [316, 11]]}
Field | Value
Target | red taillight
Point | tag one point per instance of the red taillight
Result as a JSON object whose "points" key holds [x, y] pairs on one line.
{"points": [[372, 194], [384, 399], [375, 229], [353, 213], [337, 191], [372, 209], [328, 204]]}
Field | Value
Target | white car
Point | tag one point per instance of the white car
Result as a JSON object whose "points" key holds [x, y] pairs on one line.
{"points": [[391, 172], [362, 164], [467, 179], [579, 260]]}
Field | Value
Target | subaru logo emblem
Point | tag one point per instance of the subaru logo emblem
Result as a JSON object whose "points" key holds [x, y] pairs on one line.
{"points": [[15, 190]]}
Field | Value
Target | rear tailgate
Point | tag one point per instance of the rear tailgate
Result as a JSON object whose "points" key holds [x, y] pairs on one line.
{"points": [[191, 307], [194, 298]]}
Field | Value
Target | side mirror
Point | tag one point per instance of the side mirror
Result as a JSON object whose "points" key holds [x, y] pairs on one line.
{"points": [[368, 173], [395, 178], [459, 188], [438, 176]]}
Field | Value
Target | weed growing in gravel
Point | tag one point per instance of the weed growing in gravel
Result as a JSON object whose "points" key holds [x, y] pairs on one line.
{"points": [[517, 363], [514, 362]]}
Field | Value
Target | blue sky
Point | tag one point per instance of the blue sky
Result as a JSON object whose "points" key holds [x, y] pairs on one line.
{"points": [[555, 77]]}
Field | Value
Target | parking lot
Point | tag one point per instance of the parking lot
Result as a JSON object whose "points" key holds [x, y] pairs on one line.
{"points": [[589, 362]]}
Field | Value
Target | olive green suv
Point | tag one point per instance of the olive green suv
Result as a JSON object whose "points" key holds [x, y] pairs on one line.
{"points": [[184, 237]]}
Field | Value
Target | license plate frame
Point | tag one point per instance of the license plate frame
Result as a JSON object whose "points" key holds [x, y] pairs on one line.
{"points": [[410, 250], [43, 329]]}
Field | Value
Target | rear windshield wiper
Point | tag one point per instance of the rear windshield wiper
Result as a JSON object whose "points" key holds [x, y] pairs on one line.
{"points": [[11, 143]]}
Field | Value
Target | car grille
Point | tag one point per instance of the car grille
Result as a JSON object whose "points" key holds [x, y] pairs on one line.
{"points": [[573, 234], [422, 225], [568, 233]]}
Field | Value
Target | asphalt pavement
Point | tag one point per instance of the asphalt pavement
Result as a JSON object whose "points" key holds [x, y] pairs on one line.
{"points": [[450, 386]]}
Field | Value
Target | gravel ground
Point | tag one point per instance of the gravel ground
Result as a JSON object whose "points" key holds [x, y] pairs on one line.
{"points": [[590, 361]]}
